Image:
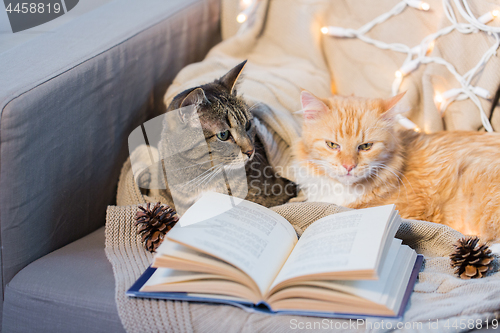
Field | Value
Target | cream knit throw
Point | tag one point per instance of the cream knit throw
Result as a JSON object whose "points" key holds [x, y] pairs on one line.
{"points": [[438, 295]]}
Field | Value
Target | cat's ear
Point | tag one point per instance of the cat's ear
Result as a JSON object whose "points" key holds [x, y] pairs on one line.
{"points": [[312, 106], [195, 97], [389, 105], [230, 79]]}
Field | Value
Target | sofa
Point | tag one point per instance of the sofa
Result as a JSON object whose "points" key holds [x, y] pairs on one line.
{"points": [[68, 101]]}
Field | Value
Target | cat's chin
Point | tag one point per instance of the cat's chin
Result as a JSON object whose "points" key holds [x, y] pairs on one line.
{"points": [[235, 166], [247, 159], [348, 180]]}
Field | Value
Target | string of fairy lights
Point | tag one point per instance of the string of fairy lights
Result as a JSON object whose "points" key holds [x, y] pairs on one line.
{"points": [[247, 8], [420, 54]]}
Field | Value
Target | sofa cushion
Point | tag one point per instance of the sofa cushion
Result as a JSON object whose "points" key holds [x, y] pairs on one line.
{"points": [[69, 290], [68, 101]]}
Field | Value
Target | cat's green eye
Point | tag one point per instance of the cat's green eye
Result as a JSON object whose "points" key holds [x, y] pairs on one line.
{"points": [[332, 145], [365, 146], [223, 136]]}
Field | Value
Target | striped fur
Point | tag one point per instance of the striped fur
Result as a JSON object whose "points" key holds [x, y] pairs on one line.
{"points": [[219, 109]]}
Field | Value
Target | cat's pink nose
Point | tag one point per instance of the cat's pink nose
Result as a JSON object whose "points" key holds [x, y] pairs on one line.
{"points": [[349, 167]]}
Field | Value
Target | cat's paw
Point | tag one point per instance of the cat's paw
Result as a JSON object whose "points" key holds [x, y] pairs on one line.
{"points": [[301, 197]]}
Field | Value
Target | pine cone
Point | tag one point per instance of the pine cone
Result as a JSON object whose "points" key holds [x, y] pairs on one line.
{"points": [[154, 223], [470, 259]]}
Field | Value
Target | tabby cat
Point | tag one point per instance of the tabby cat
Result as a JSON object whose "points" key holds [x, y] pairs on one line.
{"points": [[352, 153], [229, 132]]}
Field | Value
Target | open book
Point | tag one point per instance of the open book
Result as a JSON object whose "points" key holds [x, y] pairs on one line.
{"points": [[228, 250]]}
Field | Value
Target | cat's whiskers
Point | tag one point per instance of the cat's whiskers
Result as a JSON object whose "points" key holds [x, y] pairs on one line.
{"points": [[208, 175], [328, 167], [393, 171], [190, 166], [402, 175], [258, 157], [376, 175], [258, 147], [335, 174], [199, 182], [234, 165], [385, 182], [256, 105], [200, 179], [203, 174], [322, 163], [213, 175], [377, 168]]}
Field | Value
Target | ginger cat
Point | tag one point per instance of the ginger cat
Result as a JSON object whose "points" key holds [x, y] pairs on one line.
{"points": [[353, 154]]}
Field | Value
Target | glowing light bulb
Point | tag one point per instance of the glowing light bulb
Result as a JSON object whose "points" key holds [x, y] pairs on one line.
{"points": [[398, 74], [241, 18], [424, 6], [430, 48], [407, 68], [452, 93], [337, 31], [418, 4], [438, 98], [418, 48], [246, 2], [489, 16]]}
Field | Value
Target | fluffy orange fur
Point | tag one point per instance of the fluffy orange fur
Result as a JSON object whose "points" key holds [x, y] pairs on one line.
{"points": [[451, 178]]}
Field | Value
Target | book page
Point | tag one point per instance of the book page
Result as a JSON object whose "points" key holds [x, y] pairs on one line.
{"points": [[373, 290], [246, 235], [389, 289], [347, 241], [176, 250], [167, 275], [177, 256]]}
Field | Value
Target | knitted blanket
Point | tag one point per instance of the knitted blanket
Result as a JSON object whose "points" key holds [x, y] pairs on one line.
{"points": [[440, 299]]}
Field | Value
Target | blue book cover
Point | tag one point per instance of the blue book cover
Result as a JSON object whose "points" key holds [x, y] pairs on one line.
{"points": [[135, 291]]}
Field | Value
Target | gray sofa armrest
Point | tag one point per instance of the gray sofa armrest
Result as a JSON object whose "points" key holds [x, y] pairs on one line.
{"points": [[69, 100]]}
